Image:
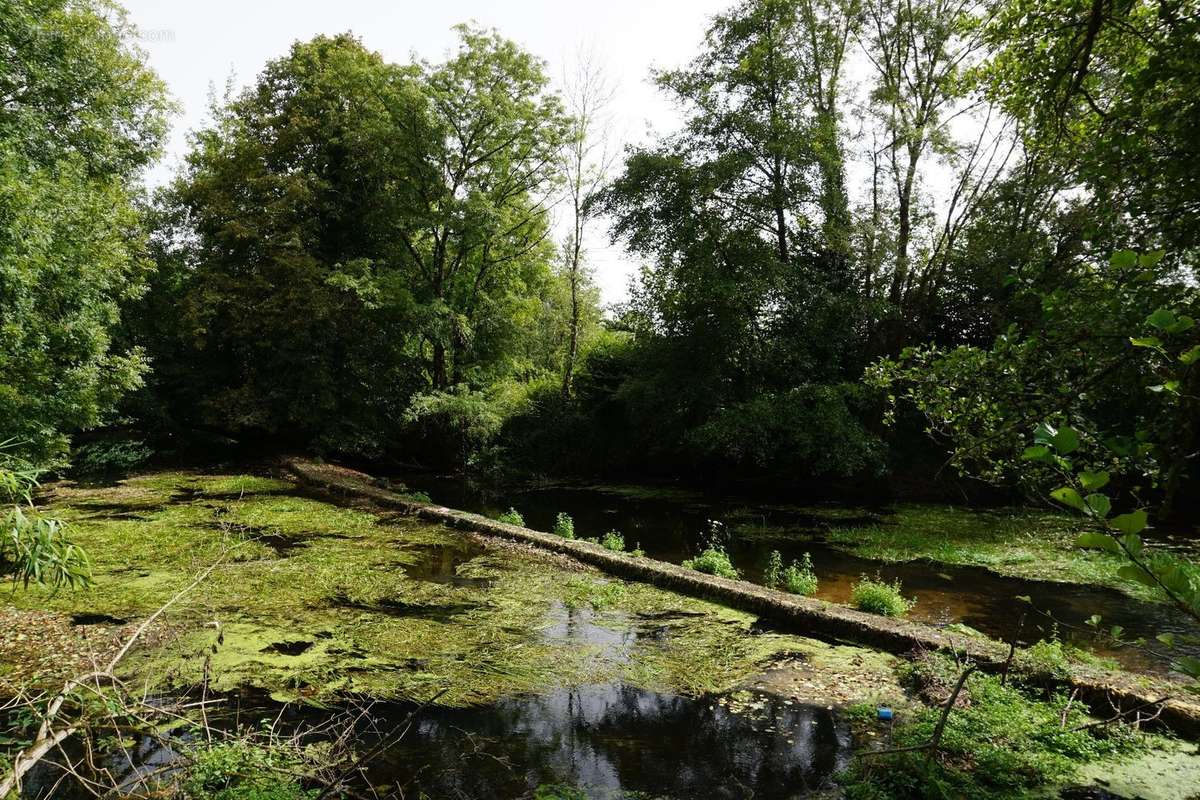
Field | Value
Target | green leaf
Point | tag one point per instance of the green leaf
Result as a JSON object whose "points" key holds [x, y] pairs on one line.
{"points": [[1044, 433], [1123, 259], [1132, 572], [1069, 497], [1190, 356], [1097, 541], [1066, 440], [1024, 598], [1188, 666], [1132, 523], [1038, 452], [1093, 620], [1093, 480], [1146, 341], [1099, 504], [1183, 323], [1162, 319], [1116, 631], [1151, 258], [1166, 638]]}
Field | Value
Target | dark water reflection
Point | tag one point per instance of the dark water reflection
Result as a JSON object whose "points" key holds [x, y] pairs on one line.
{"points": [[608, 741], [675, 526]]}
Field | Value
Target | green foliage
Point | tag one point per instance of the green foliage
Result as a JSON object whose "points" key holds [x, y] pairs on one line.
{"points": [[564, 526], [1002, 745], [713, 560], [356, 252], [81, 116], [773, 574], [111, 456], [237, 770], [879, 597], [34, 547], [799, 577], [512, 517], [613, 540]]}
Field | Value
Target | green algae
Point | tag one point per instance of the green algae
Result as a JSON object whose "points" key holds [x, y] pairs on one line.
{"points": [[313, 600], [1017, 542]]}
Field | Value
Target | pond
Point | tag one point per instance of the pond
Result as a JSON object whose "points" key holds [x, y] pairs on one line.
{"points": [[674, 525]]}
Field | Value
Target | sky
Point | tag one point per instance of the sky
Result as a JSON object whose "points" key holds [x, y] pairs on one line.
{"points": [[197, 44]]}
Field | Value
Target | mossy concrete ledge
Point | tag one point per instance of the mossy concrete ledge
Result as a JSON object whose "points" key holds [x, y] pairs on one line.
{"points": [[816, 618]]}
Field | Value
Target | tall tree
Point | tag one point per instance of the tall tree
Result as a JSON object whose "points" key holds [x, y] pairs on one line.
{"points": [[481, 164], [80, 115], [586, 163]]}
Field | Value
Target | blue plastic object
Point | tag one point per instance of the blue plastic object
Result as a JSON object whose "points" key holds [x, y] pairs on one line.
{"points": [[885, 713]]}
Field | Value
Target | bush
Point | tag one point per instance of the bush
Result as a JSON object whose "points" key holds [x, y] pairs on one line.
{"points": [[1004, 744], [613, 540], [244, 771], [512, 517], [799, 577], [106, 457], [564, 526], [713, 561], [879, 597]]}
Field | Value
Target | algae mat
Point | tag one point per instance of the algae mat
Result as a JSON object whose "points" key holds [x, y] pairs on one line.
{"points": [[315, 600]]}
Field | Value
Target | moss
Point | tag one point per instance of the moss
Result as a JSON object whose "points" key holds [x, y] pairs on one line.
{"points": [[313, 600]]}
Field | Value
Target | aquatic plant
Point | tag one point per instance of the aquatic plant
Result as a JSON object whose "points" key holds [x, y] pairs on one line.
{"points": [[880, 597], [511, 517], [799, 577], [773, 574], [564, 526], [613, 540], [713, 561]]}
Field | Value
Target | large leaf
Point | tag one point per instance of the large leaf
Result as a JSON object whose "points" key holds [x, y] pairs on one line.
{"points": [[1038, 452], [1162, 319], [1132, 523], [1123, 259], [1099, 504], [1132, 572], [1190, 356], [1066, 440], [1069, 497], [1146, 341], [1097, 541], [1092, 481]]}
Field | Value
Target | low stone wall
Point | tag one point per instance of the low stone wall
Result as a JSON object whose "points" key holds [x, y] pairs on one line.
{"points": [[806, 616]]}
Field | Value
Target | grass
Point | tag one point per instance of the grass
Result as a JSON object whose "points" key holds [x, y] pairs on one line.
{"points": [[337, 581], [876, 596], [1023, 543]]}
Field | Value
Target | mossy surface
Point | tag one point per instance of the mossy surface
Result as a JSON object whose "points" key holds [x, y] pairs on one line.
{"points": [[1023, 543], [312, 600]]}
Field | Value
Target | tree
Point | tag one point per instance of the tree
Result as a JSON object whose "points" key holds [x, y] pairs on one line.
{"points": [[292, 309], [480, 161], [80, 115], [586, 164]]}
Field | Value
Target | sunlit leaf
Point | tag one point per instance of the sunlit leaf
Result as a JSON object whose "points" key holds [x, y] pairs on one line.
{"points": [[1069, 497], [1093, 480], [1132, 523], [1123, 259], [1097, 541], [1099, 504]]}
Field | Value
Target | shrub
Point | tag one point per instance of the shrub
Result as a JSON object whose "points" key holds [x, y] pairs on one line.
{"points": [[106, 457], [799, 577], [613, 540], [773, 574], [713, 561], [1004, 744], [564, 526], [243, 771], [637, 551], [879, 597], [512, 517]]}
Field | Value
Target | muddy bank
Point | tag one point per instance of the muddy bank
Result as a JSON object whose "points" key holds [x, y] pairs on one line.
{"points": [[816, 618]]}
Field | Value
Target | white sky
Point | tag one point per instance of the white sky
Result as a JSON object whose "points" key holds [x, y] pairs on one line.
{"points": [[194, 44]]}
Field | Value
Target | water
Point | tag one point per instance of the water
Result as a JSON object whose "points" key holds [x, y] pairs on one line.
{"points": [[674, 526]]}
